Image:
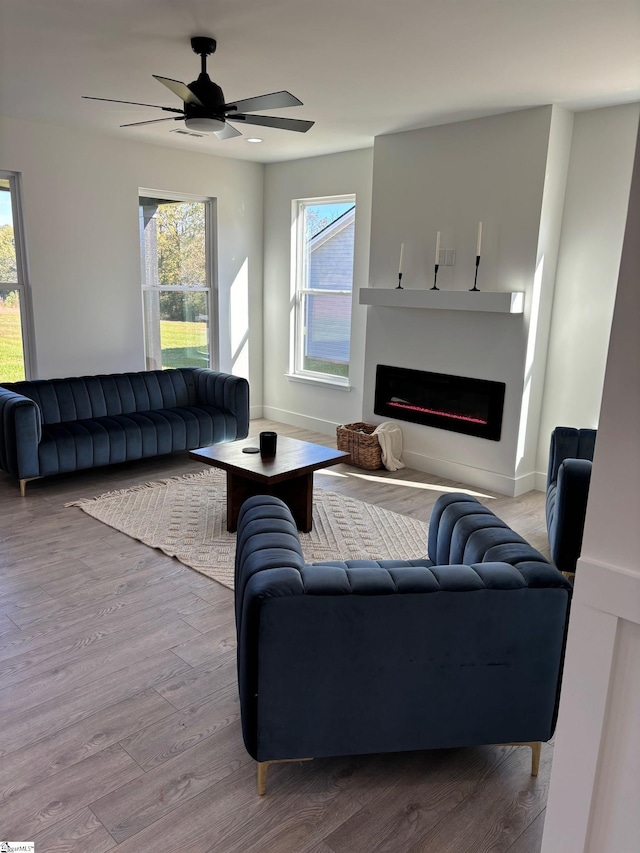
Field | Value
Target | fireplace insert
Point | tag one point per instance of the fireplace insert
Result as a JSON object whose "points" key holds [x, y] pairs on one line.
{"points": [[456, 403]]}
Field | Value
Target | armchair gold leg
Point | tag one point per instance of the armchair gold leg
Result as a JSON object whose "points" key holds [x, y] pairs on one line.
{"points": [[263, 768], [536, 748], [23, 485]]}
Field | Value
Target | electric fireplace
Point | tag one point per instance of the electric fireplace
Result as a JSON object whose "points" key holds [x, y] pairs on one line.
{"points": [[456, 403]]}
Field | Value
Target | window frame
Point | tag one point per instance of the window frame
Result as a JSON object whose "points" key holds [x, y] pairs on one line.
{"points": [[299, 293], [211, 286], [23, 283]]}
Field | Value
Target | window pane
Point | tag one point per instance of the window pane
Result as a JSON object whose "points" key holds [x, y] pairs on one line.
{"points": [[176, 329], [11, 349], [173, 254], [327, 333], [173, 243], [8, 266], [326, 232]]}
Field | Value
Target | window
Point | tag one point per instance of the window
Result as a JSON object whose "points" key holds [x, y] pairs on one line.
{"points": [[324, 240], [176, 271], [15, 353]]}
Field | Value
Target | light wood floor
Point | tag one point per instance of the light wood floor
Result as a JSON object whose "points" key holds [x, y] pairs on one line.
{"points": [[119, 720]]}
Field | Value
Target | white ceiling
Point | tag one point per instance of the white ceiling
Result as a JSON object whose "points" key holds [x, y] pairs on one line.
{"points": [[361, 67]]}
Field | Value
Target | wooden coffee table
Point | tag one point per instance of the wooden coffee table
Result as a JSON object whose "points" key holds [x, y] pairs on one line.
{"points": [[288, 475]]}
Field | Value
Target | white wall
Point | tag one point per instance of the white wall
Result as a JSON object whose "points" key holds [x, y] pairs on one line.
{"points": [[542, 295], [591, 243], [447, 179], [595, 782], [81, 221], [317, 406]]}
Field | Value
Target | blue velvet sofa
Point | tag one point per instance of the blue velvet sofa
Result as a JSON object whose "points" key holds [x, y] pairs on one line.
{"points": [[341, 658], [51, 426], [570, 461]]}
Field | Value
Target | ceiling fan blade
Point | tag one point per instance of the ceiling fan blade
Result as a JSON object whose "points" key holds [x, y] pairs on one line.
{"points": [[228, 132], [296, 124], [134, 103], [151, 121], [180, 89], [274, 101]]}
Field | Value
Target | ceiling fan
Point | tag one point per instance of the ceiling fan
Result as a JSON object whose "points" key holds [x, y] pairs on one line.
{"points": [[204, 108]]}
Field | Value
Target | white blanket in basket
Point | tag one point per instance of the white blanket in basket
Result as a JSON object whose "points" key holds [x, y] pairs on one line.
{"points": [[390, 438]]}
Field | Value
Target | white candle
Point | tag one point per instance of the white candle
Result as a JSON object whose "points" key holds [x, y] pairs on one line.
{"points": [[438, 247], [401, 257], [479, 239]]}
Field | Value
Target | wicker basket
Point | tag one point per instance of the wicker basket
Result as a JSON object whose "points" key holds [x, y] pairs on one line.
{"points": [[364, 448]]}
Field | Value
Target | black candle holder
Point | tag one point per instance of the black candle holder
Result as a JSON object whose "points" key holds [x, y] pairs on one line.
{"points": [[475, 280], [399, 287], [435, 278]]}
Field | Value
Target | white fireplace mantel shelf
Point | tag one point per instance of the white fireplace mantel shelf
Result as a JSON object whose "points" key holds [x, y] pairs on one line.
{"points": [[450, 300]]}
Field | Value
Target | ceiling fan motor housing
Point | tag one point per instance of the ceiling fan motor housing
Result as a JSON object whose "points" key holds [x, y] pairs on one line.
{"points": [[209, 94]]}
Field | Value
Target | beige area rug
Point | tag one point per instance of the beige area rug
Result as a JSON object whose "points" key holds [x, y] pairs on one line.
{"points": [[185, 517]]}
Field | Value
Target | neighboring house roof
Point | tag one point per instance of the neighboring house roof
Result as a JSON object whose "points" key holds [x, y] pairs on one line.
{"points": [[329, 231]]}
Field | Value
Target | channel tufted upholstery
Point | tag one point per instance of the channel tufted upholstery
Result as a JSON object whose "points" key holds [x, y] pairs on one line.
{"points": [[51, 426], [569, 476], [463, 647]]}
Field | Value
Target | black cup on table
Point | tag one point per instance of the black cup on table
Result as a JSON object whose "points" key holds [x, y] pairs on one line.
{"points": [[268, 442]]}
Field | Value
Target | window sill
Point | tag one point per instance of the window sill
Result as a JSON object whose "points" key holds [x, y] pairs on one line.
{"points": [[339, 384]]}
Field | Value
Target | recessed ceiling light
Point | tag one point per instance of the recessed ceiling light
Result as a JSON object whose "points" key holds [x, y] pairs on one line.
{"points": [[253, 139]]}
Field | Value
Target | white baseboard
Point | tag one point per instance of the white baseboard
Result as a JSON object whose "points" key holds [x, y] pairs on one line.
{"points": [[464, 474], [303, 421], [255, 412], [541, 482], [525, 483]]}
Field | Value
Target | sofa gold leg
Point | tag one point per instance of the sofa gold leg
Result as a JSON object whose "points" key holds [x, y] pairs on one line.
{"points": [[536, 748], [23, 485], [263, 768]]}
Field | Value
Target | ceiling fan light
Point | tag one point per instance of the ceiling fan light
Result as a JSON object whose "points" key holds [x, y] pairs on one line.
{"points": [[204, 125]]}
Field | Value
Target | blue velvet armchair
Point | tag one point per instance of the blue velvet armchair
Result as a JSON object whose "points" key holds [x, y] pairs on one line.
{"points": [[341, 658], [570, 461]]}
